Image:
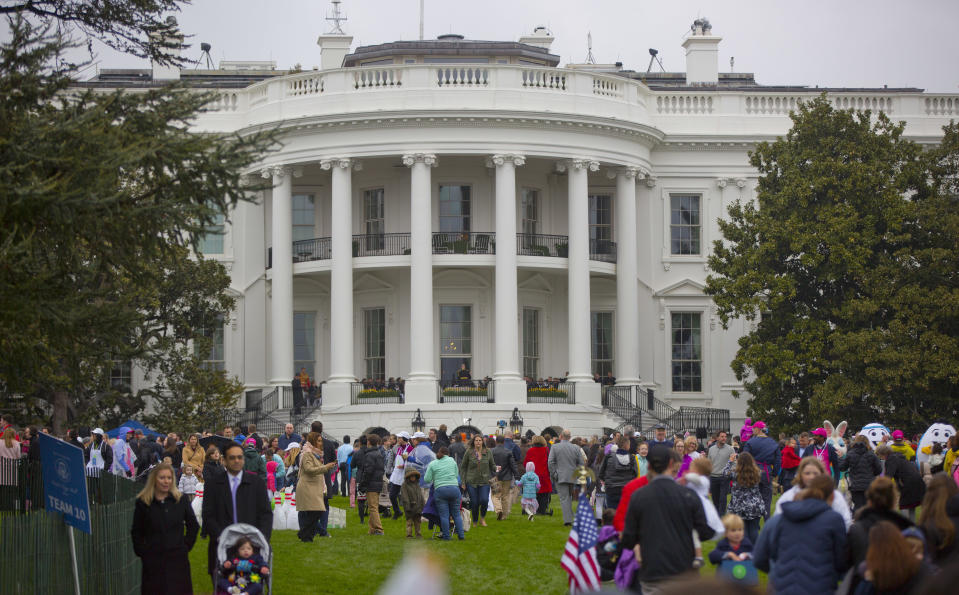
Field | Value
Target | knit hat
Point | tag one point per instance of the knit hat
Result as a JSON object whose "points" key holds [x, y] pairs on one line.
{"points": [[531, 467], [250, 442]]}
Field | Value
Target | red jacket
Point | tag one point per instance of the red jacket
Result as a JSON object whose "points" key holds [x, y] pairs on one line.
{"points": [[619, 521], [539, 456], [790, 459]]}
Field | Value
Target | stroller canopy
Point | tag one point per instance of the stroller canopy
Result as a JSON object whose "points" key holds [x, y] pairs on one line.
{"points": [[234, 532]]}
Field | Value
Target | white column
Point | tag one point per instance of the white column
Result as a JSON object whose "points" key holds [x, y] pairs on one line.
{"points": [[578, 278], [627, 296], [281, 301], [341, 270], [421, 379], [506, 361]]}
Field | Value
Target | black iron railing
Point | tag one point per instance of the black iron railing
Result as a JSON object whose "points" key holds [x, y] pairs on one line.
{"points": [[602, 250], [464, 242], [530, 244], [370, 396], [381, 244], [563, 393], [314, 249], [458, 393]]}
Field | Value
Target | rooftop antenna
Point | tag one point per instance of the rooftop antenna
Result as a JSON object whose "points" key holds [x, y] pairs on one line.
{"points": [[654, 55], [421, 19], [732, 64], [205, 56], [337, 18], [589, 48]]}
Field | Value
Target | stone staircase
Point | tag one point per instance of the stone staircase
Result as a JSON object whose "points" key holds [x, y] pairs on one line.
{"points": [[639, 409]]}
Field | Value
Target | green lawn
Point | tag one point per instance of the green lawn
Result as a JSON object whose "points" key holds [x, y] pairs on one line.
{"points": [[515, 555]]}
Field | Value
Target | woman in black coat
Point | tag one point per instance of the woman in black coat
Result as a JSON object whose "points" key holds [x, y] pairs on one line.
{"points": [[164, 531], [863, 466]]}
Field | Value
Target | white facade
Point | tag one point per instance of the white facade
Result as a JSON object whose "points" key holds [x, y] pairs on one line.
{"points": [[415, 132]]}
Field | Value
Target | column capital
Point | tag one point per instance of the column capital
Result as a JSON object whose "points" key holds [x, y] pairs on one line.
{"points": [[411, 158], [578, 163], [280, 171], [503, 158], [627, 171], [722, 182], [651, 180], [340, 162], [740, 182]]}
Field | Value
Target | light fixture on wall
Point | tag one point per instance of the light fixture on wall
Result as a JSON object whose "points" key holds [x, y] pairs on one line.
{"points": [[419, 424]]}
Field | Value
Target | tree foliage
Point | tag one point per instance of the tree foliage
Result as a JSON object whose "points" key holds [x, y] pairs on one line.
{"points": [[848, 265], [103, 196]]}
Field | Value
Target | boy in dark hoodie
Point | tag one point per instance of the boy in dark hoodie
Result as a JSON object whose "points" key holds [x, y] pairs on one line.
{"points": [[411, 500]]}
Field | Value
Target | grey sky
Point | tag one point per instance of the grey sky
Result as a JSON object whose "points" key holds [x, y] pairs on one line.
{"points": [[850, 43]]}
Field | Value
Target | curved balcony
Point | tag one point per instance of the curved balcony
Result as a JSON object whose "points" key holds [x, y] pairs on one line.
{"points": [[398, 244]]}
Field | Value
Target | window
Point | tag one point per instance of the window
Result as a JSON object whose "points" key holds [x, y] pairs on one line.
{"points": [[304, 353], [531, 343], [121, 375], [303, 209], [600, 223], [684, 225], [601, 342], [456, 344], [211, 241], [454, 208], [373, 216], [375, 325], [214, 358], [469, 60], [530, 210], [687, 354]]}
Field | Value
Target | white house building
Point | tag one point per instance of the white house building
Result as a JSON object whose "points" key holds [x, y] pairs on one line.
{"points": [[447, 202]]}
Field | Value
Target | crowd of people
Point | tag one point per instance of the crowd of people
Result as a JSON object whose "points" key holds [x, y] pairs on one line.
{"points": [[658, 499]]}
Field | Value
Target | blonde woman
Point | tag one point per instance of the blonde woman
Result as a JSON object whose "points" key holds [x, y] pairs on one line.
{"points": [[193, 454], [9, 456], [810, 467], [164, 531], [476, 470]]}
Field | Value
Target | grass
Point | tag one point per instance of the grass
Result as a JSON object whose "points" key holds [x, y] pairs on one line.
{"points": [[515, 554]]}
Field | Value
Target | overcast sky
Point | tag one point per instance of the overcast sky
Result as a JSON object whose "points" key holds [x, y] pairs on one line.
{"points": [[834, 43]]}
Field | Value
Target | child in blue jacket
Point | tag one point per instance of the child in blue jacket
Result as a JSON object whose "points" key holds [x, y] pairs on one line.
{"points": [[530, 483]]}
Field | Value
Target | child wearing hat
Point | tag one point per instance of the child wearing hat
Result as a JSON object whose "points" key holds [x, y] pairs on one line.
{"points": [[900, 445], [529, 483]]}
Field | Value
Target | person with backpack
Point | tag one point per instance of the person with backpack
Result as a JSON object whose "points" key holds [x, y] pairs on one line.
{"points": [[907, 477], [862, 466], [618, 469]]}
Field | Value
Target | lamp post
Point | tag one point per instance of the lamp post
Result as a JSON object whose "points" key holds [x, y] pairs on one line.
{"points": [[516, 421], [419, 424]]}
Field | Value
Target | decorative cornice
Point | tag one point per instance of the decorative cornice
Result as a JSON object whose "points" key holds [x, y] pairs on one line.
{"points": [[580, 163], [341, 162], [503, 158], [279, 171], [411, 158]]}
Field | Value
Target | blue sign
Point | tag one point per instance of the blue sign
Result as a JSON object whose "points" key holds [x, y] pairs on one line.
{"points": [[64, 481]]}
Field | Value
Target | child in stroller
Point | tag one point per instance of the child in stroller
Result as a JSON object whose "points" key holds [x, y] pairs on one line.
{"points": [[243, 558]]}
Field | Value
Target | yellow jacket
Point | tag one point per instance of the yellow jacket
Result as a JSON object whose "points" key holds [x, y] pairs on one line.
{"points": [[904, 449], [950, 458]]}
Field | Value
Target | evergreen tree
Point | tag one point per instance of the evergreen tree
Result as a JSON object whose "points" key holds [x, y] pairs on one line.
{"points": [[103, 197], [848, 264]]}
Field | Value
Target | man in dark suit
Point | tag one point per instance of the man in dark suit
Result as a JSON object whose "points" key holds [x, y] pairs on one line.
{"points": [[234, 497]]}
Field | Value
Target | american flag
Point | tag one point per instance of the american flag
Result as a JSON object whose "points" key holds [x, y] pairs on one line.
{"points": [[579, 559]]}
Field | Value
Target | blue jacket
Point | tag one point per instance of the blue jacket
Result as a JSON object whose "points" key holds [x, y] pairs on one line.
{"points": [[530, 483], [722, 548], [766, 452], [807, 542]]}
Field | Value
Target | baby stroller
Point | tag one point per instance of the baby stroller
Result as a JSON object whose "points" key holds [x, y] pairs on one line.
{"points": [[432, 517], [228, 538]]}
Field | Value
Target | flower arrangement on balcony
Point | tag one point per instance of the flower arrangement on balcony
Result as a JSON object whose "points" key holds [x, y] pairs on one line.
{"points": [[551, 393], [562, 249], [467, 391], [370, 393]]}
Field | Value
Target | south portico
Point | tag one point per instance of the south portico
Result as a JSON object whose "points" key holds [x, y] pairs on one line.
{"points": [[422, 377]]}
